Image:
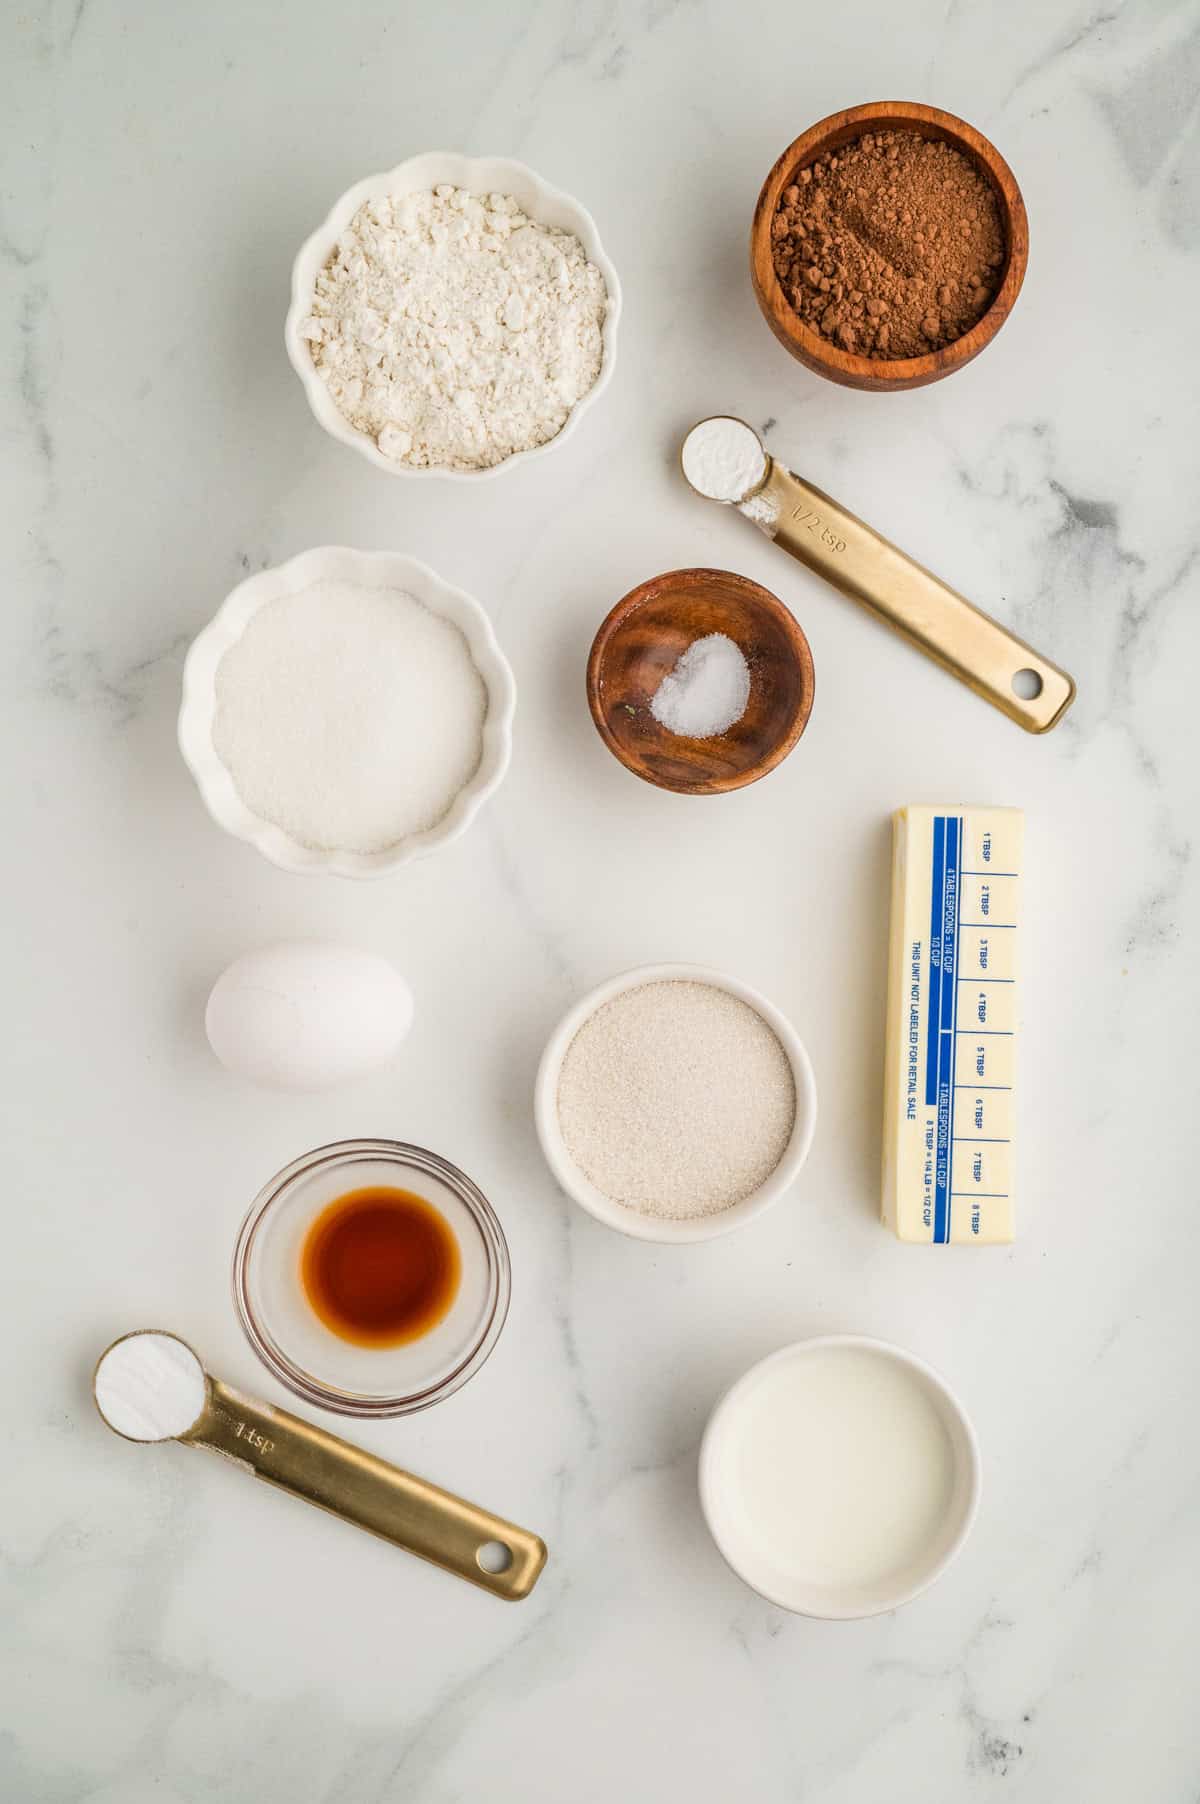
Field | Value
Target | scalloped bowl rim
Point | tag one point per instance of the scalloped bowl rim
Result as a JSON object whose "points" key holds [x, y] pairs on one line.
{"points": [[663, 1229], [373, 569], [544, 203]]}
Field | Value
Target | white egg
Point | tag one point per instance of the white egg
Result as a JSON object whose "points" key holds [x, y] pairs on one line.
{"points": [[305, 1016]]}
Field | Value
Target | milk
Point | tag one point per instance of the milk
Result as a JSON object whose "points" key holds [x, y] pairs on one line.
{"points": [[837, 1469]]}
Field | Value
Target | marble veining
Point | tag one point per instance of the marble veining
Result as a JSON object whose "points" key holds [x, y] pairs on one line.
{"points": [[171, 1633]]}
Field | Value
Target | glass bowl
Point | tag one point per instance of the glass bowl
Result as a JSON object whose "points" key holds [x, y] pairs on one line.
{"points": [[305, 1355]]}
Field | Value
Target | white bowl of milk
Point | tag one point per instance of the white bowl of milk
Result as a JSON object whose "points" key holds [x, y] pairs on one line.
{"points": [[839, 1477]]}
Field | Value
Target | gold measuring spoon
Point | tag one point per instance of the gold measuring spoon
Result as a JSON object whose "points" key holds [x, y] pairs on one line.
{"points": [[724, 459], [151, 1386]]}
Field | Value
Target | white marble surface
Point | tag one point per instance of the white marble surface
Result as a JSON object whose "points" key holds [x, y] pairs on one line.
{"points": [[167, 1630]]}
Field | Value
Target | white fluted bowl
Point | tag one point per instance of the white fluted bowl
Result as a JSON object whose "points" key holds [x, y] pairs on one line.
{"points": [[373, 570], [543, 203]]}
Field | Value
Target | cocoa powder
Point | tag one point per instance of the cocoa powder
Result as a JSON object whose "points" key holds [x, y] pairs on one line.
{"points": [[890, 246]]}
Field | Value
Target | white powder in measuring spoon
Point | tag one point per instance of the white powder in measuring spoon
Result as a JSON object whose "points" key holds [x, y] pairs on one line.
{"points": [[350, 717], [723, 459], [676, 1099], [707, 690], [150, 1387]]}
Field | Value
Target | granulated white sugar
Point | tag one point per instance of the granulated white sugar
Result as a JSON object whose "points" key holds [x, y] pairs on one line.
{"points": [[676, 1099], [350, 717]]}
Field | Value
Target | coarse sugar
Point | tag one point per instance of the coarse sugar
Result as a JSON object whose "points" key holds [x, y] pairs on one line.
{"points": [[676, 1099]]}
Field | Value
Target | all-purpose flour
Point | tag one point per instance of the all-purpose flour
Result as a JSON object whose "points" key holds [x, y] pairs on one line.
{"points": [[454, 330]]}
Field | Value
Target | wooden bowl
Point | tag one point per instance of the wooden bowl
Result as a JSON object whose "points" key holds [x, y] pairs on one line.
{"points": [[645, 636], [815, 351]]}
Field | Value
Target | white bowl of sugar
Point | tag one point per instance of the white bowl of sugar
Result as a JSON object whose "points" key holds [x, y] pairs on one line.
{"points": [[347, 711], [675, 1103]]}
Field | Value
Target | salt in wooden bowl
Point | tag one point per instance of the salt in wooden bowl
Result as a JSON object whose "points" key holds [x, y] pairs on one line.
{"points": [[644, 637]]}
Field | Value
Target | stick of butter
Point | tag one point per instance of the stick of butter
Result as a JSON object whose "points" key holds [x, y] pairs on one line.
{"points": [[952, 1023]]}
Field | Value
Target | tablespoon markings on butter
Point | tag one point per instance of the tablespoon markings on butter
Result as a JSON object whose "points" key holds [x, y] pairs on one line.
{"points": [[151, 1386], [723, 459]]}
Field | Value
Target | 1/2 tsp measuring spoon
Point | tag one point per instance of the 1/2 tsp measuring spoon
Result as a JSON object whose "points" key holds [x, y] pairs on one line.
{"points": [[151, 1386], [724, 460]]}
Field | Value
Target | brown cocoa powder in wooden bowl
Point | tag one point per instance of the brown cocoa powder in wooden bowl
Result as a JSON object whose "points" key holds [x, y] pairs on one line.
{"points": [[830, 326], [643, 639]]}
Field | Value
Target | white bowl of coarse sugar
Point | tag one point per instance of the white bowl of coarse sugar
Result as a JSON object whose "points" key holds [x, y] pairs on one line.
{"points": [[454, 316], [675, 1103], [346, 712]]}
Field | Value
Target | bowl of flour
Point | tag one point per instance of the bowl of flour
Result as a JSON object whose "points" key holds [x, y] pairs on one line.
{"points": [[453, 317], [346, 712]]}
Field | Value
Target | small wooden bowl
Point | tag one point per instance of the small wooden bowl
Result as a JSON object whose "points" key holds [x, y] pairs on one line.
{"points": [[645, 636], [815, 351]]}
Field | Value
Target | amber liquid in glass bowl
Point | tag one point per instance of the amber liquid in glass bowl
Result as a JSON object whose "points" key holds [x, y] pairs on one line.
{"points": [[371, 1277], [380, 1266]]}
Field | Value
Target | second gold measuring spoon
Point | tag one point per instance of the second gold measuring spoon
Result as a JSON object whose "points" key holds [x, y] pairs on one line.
{"points": [[151, 1386], [724, 460]]}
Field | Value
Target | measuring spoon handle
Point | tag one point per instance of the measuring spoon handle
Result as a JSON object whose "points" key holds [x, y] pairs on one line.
{"points": [[353, 1484], [969, 643]]}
